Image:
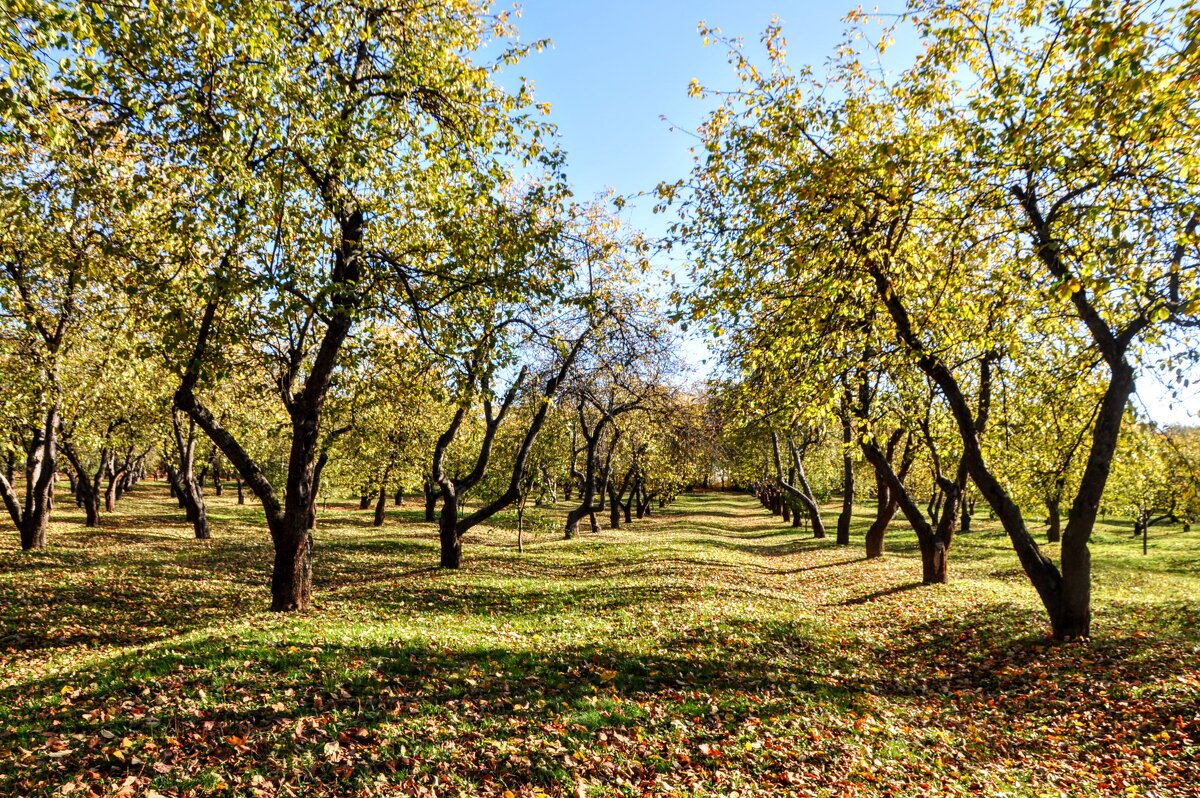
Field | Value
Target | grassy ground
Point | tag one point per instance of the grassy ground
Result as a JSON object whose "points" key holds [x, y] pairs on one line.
{"points": [[708, 651]]}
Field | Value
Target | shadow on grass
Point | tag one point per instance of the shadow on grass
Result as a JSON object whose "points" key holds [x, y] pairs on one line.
{"points": [[878, 594]]}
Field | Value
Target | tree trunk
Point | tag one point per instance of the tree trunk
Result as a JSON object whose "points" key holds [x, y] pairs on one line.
{"points": [[241, 492], [847, 514], [110, 493], [41, 463], [318, 469], [934, 562], [1054, 519], [198, 515], [573, 518], [451, 543], [91, 508], [885, 510], [803, 494], [291, 580], [847, 501], [191, 496], [87, 488], [1074, 616], [380, 506], [431, 496], [643, 503], [291, 577]]}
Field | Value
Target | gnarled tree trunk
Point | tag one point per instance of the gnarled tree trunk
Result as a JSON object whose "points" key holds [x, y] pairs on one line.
{"points": [[41, 460]]}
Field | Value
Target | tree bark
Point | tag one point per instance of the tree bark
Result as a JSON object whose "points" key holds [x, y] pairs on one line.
{"points": [[614, 507], [885, 511], [431, 497], [1054, 520], [451, 543], [803, 494], [191, 496], [41, 460], [847, 515], [380, 505], [87, 488]]}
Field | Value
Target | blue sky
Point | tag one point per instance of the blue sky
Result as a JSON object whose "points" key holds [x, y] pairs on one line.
{"points": [[618, 67], [617, 76]]}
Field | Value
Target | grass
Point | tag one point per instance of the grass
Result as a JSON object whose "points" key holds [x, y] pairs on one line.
{"points": [[707, 651]]}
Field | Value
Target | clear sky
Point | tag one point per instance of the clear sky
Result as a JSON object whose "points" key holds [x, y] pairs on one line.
{"points": [[617, 68]]}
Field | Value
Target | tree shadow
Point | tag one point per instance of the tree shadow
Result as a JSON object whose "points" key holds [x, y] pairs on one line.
{"points": [[868, 598]]}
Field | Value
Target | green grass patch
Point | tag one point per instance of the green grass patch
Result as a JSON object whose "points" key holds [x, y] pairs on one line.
{"points": [[705, 651]]}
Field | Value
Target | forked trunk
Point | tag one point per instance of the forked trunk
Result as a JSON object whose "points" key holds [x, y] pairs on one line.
{"points": [[41, 463]]}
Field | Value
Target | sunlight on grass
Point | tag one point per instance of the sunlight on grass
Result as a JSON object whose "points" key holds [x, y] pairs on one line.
{"points": [[704, 651]]}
